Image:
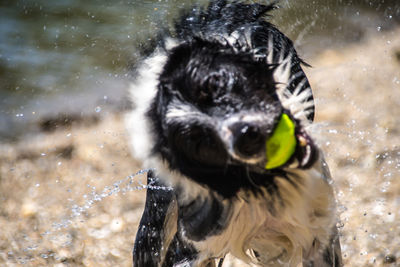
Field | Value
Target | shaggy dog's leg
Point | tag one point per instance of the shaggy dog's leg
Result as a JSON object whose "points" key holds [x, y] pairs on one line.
{"points": [[157, 241], [152, 237]]}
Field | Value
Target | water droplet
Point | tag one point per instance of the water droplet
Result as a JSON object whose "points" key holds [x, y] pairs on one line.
{"points": [[327, 143], [379, 28], [373, 236], [97, 109]]}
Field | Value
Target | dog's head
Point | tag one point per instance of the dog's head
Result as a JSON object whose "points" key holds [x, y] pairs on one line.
{"points": [[221, 90]]}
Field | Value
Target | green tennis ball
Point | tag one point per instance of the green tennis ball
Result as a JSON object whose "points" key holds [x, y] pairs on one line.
{"points": [[282, 144]]}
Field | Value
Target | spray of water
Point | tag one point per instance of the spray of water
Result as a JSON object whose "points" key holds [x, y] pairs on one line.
{"points": [[58, 232]]}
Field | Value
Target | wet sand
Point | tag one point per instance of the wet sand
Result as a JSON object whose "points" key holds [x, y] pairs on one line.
{"points": [[47, 179]]}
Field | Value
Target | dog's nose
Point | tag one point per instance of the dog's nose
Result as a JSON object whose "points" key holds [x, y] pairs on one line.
{"points": [[248, 139]]}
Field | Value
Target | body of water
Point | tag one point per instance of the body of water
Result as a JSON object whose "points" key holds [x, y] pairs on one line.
{"points": [[70, 56]]}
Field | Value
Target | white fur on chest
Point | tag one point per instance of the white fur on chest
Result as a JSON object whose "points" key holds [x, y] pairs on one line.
{"points": [[307, 213]]}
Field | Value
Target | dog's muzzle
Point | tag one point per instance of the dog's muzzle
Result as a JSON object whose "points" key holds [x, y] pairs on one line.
{"points": [[244, 138], [245, 141]]}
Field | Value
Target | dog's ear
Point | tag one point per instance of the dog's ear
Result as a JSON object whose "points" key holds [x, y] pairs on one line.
{"points": [[300, 90]]}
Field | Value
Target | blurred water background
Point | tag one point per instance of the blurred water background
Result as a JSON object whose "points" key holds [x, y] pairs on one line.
{"points": [[70, 56]]}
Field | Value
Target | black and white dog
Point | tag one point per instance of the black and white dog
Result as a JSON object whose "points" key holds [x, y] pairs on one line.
{"points": [[206, 101]]}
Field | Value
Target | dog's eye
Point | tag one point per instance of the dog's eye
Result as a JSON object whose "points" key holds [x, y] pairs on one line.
{"points": [[204, 95], [213, 86], [210, 87]]}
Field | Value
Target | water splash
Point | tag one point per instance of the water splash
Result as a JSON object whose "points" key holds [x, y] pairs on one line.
{"points": [[62, 239]]}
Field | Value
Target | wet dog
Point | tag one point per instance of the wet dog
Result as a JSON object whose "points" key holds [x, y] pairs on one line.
{"points": [[206, 102]]}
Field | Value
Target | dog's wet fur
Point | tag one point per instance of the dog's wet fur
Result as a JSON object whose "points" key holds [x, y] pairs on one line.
{"points": [[205, 102]]}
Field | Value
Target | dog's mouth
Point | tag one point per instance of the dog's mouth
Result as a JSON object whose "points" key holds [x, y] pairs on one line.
{"points": [[306, 152], [299, 152], [249, 144]]}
